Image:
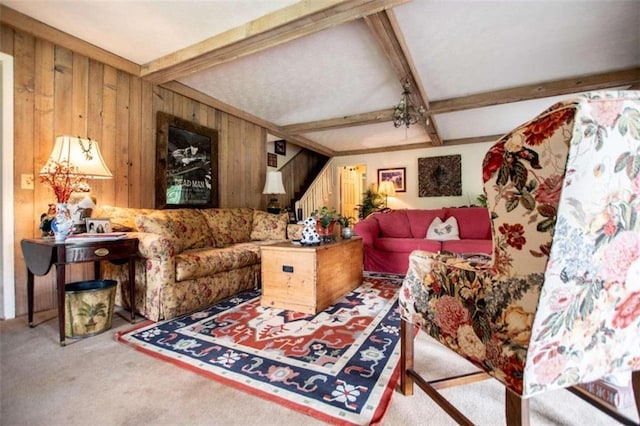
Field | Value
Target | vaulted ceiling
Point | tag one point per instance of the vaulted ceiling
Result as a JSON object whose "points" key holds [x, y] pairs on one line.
{"points": [[325, 74]]}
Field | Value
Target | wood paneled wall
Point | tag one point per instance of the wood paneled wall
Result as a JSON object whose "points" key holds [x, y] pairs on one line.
{"points": [[59, 92]]}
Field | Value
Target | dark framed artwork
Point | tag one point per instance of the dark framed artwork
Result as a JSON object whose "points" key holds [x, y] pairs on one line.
{"points": [[272, 160], [440, 176], [280, 147], [397, 176], [186, 164]]}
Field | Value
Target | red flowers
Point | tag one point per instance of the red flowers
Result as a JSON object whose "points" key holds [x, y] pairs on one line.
{"points": [[540, 130], [628, 311], [514, 234], [63, 179]]}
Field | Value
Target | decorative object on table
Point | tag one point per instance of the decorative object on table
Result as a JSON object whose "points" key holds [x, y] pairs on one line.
{"points": [[98, 225], [186, 164], [273, 186], [62, 225], [280, 147], [339, 366], [326, 221], [387, 189], [440, 176], [310, 236], [406, 112], [371, 201], [396, 175], [346, 222], [46, 219], [72, 162]]}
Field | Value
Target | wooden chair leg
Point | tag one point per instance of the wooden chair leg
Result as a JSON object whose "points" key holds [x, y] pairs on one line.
{"points": [[516, 409], [406, 357], [635, 384]]}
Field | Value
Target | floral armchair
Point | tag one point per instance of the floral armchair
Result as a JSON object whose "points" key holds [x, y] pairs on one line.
{"points": [[558, 304]]}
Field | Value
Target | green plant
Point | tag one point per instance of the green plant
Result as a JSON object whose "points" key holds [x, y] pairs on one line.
{"points": [[326, 216], [371, 201], [482, 200], [346, 221]]}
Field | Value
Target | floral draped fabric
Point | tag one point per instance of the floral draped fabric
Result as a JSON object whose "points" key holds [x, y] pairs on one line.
{"points": [[559, 303], [189, 258]]}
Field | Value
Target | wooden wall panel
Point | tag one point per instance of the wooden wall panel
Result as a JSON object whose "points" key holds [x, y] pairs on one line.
{"points": [[58, 92], [24, 107]]}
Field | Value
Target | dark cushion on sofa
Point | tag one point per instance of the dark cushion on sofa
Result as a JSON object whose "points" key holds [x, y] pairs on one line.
{"points": [[473, 222], [406, 245]]}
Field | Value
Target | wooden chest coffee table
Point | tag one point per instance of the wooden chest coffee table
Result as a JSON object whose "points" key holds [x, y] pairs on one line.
{"points": [[309, 279]]}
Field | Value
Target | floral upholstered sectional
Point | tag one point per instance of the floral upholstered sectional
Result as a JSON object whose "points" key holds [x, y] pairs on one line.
{"points": [[191, 258]]}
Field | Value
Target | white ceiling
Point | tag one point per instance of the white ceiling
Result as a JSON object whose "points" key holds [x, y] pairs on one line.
{"points": [[456, 49]]}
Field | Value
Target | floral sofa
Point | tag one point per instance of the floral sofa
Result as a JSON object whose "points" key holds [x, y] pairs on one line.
{"points": [[191, 258], [388, 238]]}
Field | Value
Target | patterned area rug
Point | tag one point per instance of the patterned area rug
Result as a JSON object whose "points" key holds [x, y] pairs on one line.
{"points": [[340, 366]]}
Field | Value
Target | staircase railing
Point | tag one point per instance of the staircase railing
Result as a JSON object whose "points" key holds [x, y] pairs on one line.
{"points": [[319, 193]]}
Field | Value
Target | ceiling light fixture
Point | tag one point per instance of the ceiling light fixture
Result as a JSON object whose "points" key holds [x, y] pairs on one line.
{"points": [[406, 112]]}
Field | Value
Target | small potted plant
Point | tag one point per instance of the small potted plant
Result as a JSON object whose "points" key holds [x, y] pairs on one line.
{"points": [[325, 222], [346, 223]]}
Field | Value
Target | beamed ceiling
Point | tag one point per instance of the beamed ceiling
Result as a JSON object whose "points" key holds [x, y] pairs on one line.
{"points": [[325, 74]]}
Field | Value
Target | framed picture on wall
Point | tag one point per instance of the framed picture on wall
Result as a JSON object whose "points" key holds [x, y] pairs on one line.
{"points": [[440, 176], [272, 160], [280, 147], [397, 176], [186, 164]]}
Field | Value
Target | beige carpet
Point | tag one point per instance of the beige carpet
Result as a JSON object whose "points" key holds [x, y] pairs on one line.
{"points": [[97, 381]]}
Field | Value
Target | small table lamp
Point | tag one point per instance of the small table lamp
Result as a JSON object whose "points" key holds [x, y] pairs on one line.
{"points": [[273, 185], [387, 189], [72, 161]]}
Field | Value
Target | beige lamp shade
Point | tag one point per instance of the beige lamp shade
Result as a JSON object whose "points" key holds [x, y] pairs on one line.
{"points": [[84, 154], [387, 188], [273, 184]]}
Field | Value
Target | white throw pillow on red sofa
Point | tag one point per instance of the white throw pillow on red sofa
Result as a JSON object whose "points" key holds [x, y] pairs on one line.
{"points": [[443, 231]]}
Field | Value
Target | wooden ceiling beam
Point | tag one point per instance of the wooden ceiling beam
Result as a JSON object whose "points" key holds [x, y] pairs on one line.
{"points": [[602, 81], [281, 26], [419, 145], [561, 87], [386, 31]]}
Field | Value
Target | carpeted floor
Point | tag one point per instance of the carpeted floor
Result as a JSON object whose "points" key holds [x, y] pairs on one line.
{"points": [[98, 381]]}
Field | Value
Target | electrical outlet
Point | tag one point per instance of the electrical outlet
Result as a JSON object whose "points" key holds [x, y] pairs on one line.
{"points": [[26, 181]]}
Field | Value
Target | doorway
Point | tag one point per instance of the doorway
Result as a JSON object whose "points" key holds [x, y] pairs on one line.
{"points": [[352, 184], [7, 255]]}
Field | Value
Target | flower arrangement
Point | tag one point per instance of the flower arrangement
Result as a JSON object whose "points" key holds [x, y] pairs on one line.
{"points": [[63, 179]]}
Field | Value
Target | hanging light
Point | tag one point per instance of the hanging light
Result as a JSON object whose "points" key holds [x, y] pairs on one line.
{"points": [[406, 112]]}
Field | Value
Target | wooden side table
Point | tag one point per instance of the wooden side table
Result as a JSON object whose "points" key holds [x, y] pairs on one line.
{"points": [[40, 255], [309, 279]]}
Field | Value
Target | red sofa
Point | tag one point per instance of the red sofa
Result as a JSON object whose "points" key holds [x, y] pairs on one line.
{"points": [[389, 238]]}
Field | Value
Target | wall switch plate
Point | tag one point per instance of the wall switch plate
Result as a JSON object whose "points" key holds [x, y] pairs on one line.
{"points": [[26, 181]]}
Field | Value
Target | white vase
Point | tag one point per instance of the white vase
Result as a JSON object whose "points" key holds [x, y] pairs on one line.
{"points": [[62, 225]]}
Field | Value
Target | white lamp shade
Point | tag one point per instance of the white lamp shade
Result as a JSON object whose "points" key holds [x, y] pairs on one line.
{"points": [[84, 154], [273, 184], [387, 188]]}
